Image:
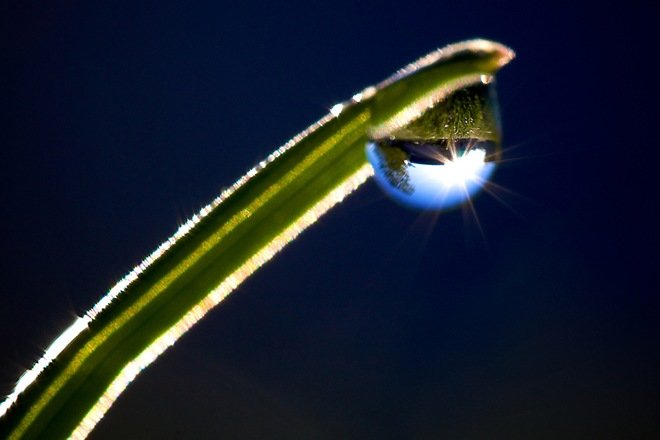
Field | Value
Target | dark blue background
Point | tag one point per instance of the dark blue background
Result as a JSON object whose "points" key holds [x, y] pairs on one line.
{"points": [[120, 121]]}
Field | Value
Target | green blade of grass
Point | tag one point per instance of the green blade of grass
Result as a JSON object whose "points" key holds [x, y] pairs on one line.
{"points": [[67, 392]]}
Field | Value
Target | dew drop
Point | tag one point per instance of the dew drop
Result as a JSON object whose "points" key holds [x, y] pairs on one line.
{"points": [[443, 158]]}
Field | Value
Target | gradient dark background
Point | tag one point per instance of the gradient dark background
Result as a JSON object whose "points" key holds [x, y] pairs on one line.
{"points": [[119, 122]]}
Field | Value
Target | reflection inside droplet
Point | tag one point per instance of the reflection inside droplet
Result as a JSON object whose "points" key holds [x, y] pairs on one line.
{"points": [[431, 175], [441, 159]]}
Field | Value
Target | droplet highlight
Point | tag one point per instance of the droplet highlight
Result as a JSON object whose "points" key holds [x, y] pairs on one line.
{"points": [[443, 158]]}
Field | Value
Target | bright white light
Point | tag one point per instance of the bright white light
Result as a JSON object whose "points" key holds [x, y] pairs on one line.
{"points": [[337, 109], [434, 186], [459, 171], [55, 348]]}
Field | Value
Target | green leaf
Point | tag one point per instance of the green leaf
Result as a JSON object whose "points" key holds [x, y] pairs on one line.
{"points": [[146, 312]]}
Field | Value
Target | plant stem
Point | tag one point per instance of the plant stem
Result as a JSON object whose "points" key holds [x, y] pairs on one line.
{"points": [[147, 311]]}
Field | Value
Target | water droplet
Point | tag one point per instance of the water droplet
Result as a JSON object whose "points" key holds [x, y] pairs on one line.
{"points": [[441, 159]]}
